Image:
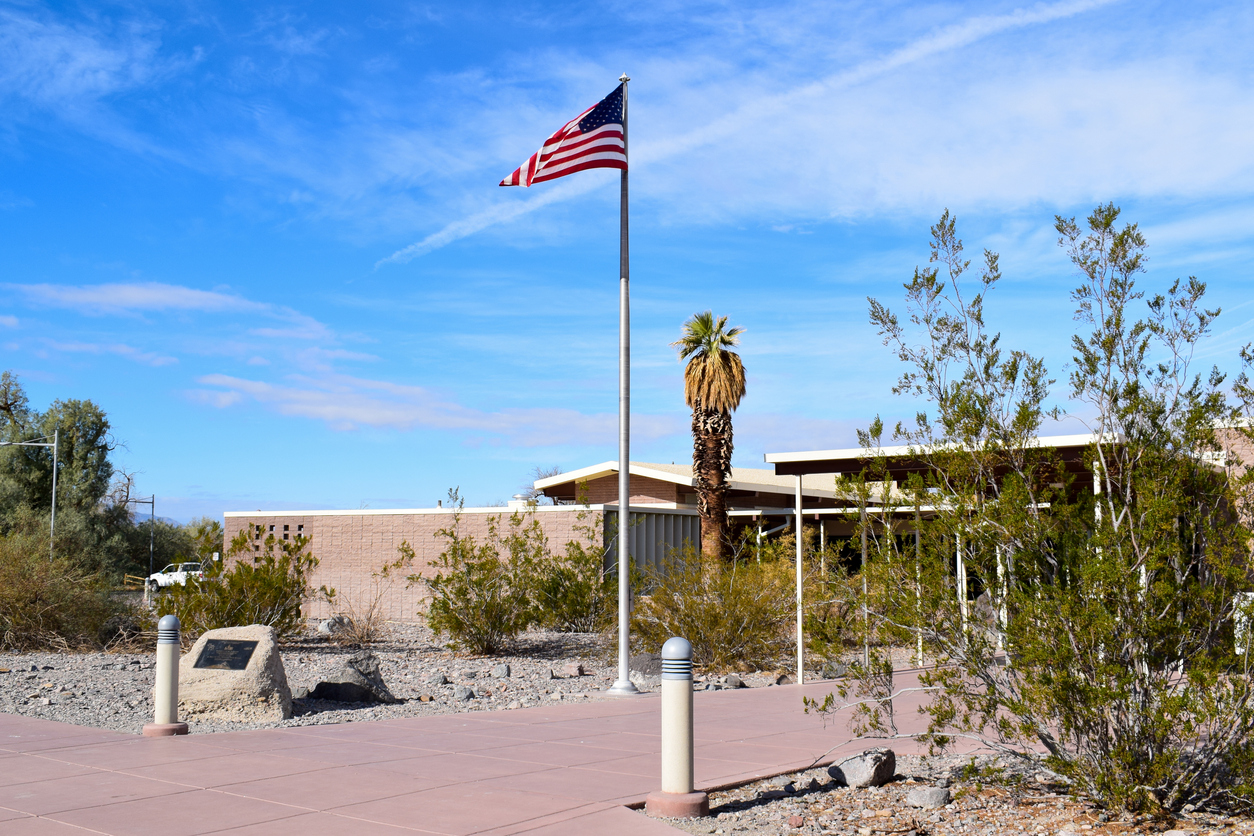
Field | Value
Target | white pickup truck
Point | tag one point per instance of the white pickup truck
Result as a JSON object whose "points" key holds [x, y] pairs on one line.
{"points": [[175, 573]]}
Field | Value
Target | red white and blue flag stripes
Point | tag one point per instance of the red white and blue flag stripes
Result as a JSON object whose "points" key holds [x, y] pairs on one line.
{"points": [[593, 139]]}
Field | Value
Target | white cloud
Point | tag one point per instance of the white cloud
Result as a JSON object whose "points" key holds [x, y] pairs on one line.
{"points": [[133, 298], [8, 321], [348, 403], [151, 297], [148, 358], [783, 147]]}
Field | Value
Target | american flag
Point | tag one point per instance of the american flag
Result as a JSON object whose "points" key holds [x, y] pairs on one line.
{"points": [[593, 139]]}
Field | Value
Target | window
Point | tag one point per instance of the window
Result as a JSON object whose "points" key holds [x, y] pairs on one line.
{"points": [[300, 528], [272, 528]]}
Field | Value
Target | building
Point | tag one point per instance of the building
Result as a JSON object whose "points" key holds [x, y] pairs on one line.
{"points": [[352, 546]]}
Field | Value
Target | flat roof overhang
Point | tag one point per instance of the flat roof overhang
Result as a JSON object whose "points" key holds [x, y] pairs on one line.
{"points": [[901, 461]]}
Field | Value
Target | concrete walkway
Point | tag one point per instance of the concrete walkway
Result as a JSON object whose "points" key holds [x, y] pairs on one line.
{"points": [[548, 771]]}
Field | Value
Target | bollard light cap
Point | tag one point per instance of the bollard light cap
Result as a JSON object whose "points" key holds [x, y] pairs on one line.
{"points": [[168, 622], [677, 659], [676, 649]]}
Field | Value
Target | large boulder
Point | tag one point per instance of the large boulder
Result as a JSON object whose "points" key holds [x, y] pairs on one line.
{"points": [[872, 768], [358, 680], [226, 677]]}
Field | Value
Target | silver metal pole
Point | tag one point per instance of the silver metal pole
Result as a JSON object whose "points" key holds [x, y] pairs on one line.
{"points": [[866, 615], [624, 685], [52, 528], [801, 669], [152, 527]]}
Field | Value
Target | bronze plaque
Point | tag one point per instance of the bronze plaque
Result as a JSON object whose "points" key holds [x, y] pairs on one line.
{"points": [[226, 654]]}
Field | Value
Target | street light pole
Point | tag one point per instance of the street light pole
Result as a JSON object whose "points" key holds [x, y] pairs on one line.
{"points": [[151, 502]]}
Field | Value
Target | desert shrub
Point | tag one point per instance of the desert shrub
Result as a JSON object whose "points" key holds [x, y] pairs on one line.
{"points": [[52, 602], [248, 587], [1108, 638], [571, 591], [481, 592], [734, 612]]}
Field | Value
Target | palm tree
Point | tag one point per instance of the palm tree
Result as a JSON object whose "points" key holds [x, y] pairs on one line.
{"points": [[714, 383]]}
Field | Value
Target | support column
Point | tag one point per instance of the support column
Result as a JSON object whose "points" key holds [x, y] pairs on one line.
{"points": [[801, 670]]}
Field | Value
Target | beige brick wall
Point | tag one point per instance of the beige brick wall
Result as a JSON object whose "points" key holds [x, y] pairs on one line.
{"points": [[352, 545]]}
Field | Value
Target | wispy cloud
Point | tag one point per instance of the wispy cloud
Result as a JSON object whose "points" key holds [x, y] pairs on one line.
{"points": [[8, 321], [132, 298], [348, 403], [148, 358], [786, 112], [153, 297]]}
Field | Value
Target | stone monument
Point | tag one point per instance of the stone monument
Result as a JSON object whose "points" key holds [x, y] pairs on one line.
{"points": [[234, 674]]}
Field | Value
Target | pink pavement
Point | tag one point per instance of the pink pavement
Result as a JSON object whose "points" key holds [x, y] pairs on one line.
{"points": [[571, 768]]}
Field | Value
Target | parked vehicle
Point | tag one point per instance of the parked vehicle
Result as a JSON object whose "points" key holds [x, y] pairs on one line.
{"points": [[175, 573]]}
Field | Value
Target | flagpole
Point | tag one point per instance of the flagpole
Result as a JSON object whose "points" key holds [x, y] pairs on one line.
{"points": [[624, 684]]}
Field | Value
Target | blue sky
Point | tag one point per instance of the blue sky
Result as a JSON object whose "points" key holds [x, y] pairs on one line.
{"points": [[268, 240]]}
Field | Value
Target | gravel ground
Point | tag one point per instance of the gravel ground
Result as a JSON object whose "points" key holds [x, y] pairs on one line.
{"points": [[114, 690], [989, 798]]}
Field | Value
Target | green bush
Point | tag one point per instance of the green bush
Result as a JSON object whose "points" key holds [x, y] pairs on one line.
{"points": [[1107, 644], [52, 602], [267, 587], [572, 592], [481, 592], [733, 612]]}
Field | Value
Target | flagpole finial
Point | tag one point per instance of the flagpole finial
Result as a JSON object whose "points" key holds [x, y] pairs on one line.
{"points": [[623, 78]]}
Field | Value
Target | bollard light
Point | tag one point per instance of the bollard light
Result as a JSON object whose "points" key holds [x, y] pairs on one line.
{"points": [[677, 798], [166, 691]]}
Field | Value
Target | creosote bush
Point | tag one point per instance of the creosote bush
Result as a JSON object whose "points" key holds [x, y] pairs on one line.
{"points": [[735, 612], [53, 602], [481, 591], [1107, 641], [572, 591], [267, 587]]}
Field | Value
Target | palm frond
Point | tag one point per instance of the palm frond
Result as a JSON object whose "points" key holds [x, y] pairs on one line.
{"points": [[715, 376]]}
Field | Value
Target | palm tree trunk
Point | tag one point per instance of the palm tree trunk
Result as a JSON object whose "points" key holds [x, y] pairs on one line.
{"points": [[711, 464]]}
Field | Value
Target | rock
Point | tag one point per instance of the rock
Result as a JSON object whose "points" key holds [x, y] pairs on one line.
{"points": [[783, 679], [872, 768], [469, 674], [438, 679], [781, 780], [514, 704], [557, 697], [300, 692], [358, 680], [733, 681], [834, 671], [258, 693], [331, 626], [929, 798], [463, 693], [572, 670], [796, 822], [1175, 833], [425, 698], [501, 672], [551, 675], [649, 664]]}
